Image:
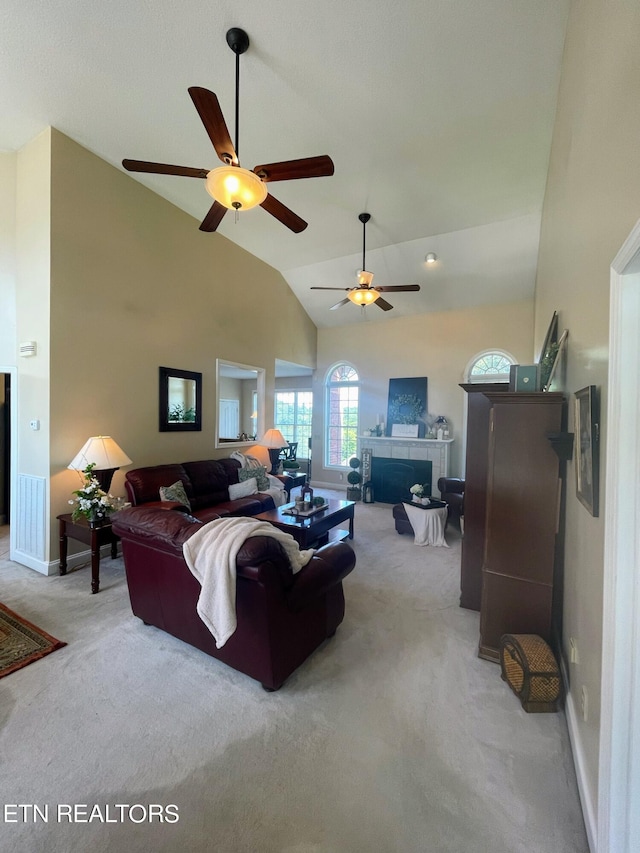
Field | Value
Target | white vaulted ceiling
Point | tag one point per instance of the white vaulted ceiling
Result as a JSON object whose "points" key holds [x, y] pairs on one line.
{"points": [[437, 114]]}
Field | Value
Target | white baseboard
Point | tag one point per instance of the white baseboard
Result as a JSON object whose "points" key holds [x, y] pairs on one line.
{"points": [[589, 806], [338, 487], [53, 566], [41, 566]]}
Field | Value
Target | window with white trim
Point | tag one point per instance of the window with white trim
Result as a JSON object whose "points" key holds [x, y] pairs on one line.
{"points": [[341, 415], [293, 410], [490, 366]]}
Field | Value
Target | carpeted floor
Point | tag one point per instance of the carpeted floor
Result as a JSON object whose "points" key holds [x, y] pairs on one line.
{"points": [[394, 737]]}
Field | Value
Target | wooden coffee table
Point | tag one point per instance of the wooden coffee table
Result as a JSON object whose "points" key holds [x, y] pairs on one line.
{"points": [[316, 530]]}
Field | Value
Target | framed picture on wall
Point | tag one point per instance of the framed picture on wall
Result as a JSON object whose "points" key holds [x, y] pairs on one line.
{"points": [[587, 445], [407, 404]]}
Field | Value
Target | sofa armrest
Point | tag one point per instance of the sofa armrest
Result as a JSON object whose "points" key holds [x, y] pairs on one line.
{"points": [[328, 566], [451, 485], [155, 526], [326, 569]]}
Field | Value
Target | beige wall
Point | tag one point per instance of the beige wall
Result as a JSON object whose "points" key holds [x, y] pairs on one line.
{"points": [[591, 204], [133, 285], [33, 264], [438, 346]]}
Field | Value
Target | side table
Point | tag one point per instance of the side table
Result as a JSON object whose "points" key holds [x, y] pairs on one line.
{"points": [[93, 536], [291, 480]]}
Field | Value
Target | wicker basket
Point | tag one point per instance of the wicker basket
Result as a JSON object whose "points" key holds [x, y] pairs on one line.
{"points": [[530, 669]]}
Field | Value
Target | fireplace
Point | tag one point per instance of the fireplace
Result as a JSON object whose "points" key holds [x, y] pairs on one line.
{"points": [[392, 478]]}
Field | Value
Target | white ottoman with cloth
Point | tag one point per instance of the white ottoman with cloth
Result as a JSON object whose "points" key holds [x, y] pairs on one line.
{"points": [[427, 522]]}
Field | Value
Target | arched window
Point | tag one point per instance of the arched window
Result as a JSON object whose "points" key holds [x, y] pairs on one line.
{"points": [[490, 366], [341, 415]]}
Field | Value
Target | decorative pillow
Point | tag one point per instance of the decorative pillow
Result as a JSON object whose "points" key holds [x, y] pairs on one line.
{"points": [[244, 489], [260, 473], [175, 492]]}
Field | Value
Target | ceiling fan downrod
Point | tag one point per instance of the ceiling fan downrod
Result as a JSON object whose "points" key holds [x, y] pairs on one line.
{"points": [[364, 218], [238, 41]]}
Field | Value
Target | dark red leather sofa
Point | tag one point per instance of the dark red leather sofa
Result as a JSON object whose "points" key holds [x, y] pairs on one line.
{"points": [[282, 617], [206, 483]]}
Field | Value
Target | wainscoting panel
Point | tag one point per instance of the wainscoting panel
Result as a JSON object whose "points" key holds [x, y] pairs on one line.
{"points": [[30, 516]]}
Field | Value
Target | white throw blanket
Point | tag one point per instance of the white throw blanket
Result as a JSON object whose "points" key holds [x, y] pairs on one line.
{"points": [[211, 556], [276, 490], [428, 525], [276, 487]]}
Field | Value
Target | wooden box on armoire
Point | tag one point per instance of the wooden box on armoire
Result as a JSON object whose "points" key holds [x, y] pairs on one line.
{"points": [[522, 511]]}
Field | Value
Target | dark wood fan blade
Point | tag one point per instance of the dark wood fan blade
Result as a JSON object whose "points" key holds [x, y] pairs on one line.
{"points": [[339, 304], [283, 214], [211, 115], [213, 217], [382, 303], [399, 287], [329, 288], [163, 169], [291, 170]]}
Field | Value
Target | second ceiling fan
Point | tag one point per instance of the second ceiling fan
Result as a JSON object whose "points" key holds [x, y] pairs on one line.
{"points": [[231, 186], [364, 293]]}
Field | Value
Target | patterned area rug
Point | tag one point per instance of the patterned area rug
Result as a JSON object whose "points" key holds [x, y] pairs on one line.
{"points": [[21, 642]]}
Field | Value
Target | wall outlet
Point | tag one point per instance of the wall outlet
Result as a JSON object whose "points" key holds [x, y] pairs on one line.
{"points": [[573, 651], [584, 703], [342, 476]]}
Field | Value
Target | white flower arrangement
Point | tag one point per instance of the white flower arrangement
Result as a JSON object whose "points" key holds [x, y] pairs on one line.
{"points": [[91, 502], [419, 490]]}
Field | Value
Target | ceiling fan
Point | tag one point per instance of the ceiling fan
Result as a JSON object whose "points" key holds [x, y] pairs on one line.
{"points": [[364, 293], [231, 186]]}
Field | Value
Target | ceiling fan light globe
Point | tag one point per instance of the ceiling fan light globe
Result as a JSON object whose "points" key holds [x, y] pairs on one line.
{"points": [[363, 296], [235, 188], [365, 278]]}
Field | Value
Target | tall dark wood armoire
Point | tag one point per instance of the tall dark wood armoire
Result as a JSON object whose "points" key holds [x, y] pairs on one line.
{"points": [[522, 512], [475, 490]]}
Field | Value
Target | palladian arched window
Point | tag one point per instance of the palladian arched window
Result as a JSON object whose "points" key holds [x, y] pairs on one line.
{"points": [[490, 366], [341, 415]]}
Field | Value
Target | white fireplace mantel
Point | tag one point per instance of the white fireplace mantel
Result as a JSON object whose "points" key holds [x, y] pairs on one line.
{"points": [[433, 450]]}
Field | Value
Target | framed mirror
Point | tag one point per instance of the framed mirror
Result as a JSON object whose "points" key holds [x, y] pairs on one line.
{"points": [[240, 392], [180, 396]]}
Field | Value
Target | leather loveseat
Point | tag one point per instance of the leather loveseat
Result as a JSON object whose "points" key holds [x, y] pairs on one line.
{"points": [[281, 617], [206, 484]]}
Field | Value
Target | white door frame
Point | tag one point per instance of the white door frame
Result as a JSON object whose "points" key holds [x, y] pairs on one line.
{"points": [[619, 763]]}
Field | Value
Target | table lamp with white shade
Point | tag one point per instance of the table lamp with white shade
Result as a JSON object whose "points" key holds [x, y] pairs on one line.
{"points": [[105, 454], [274, 441]]}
